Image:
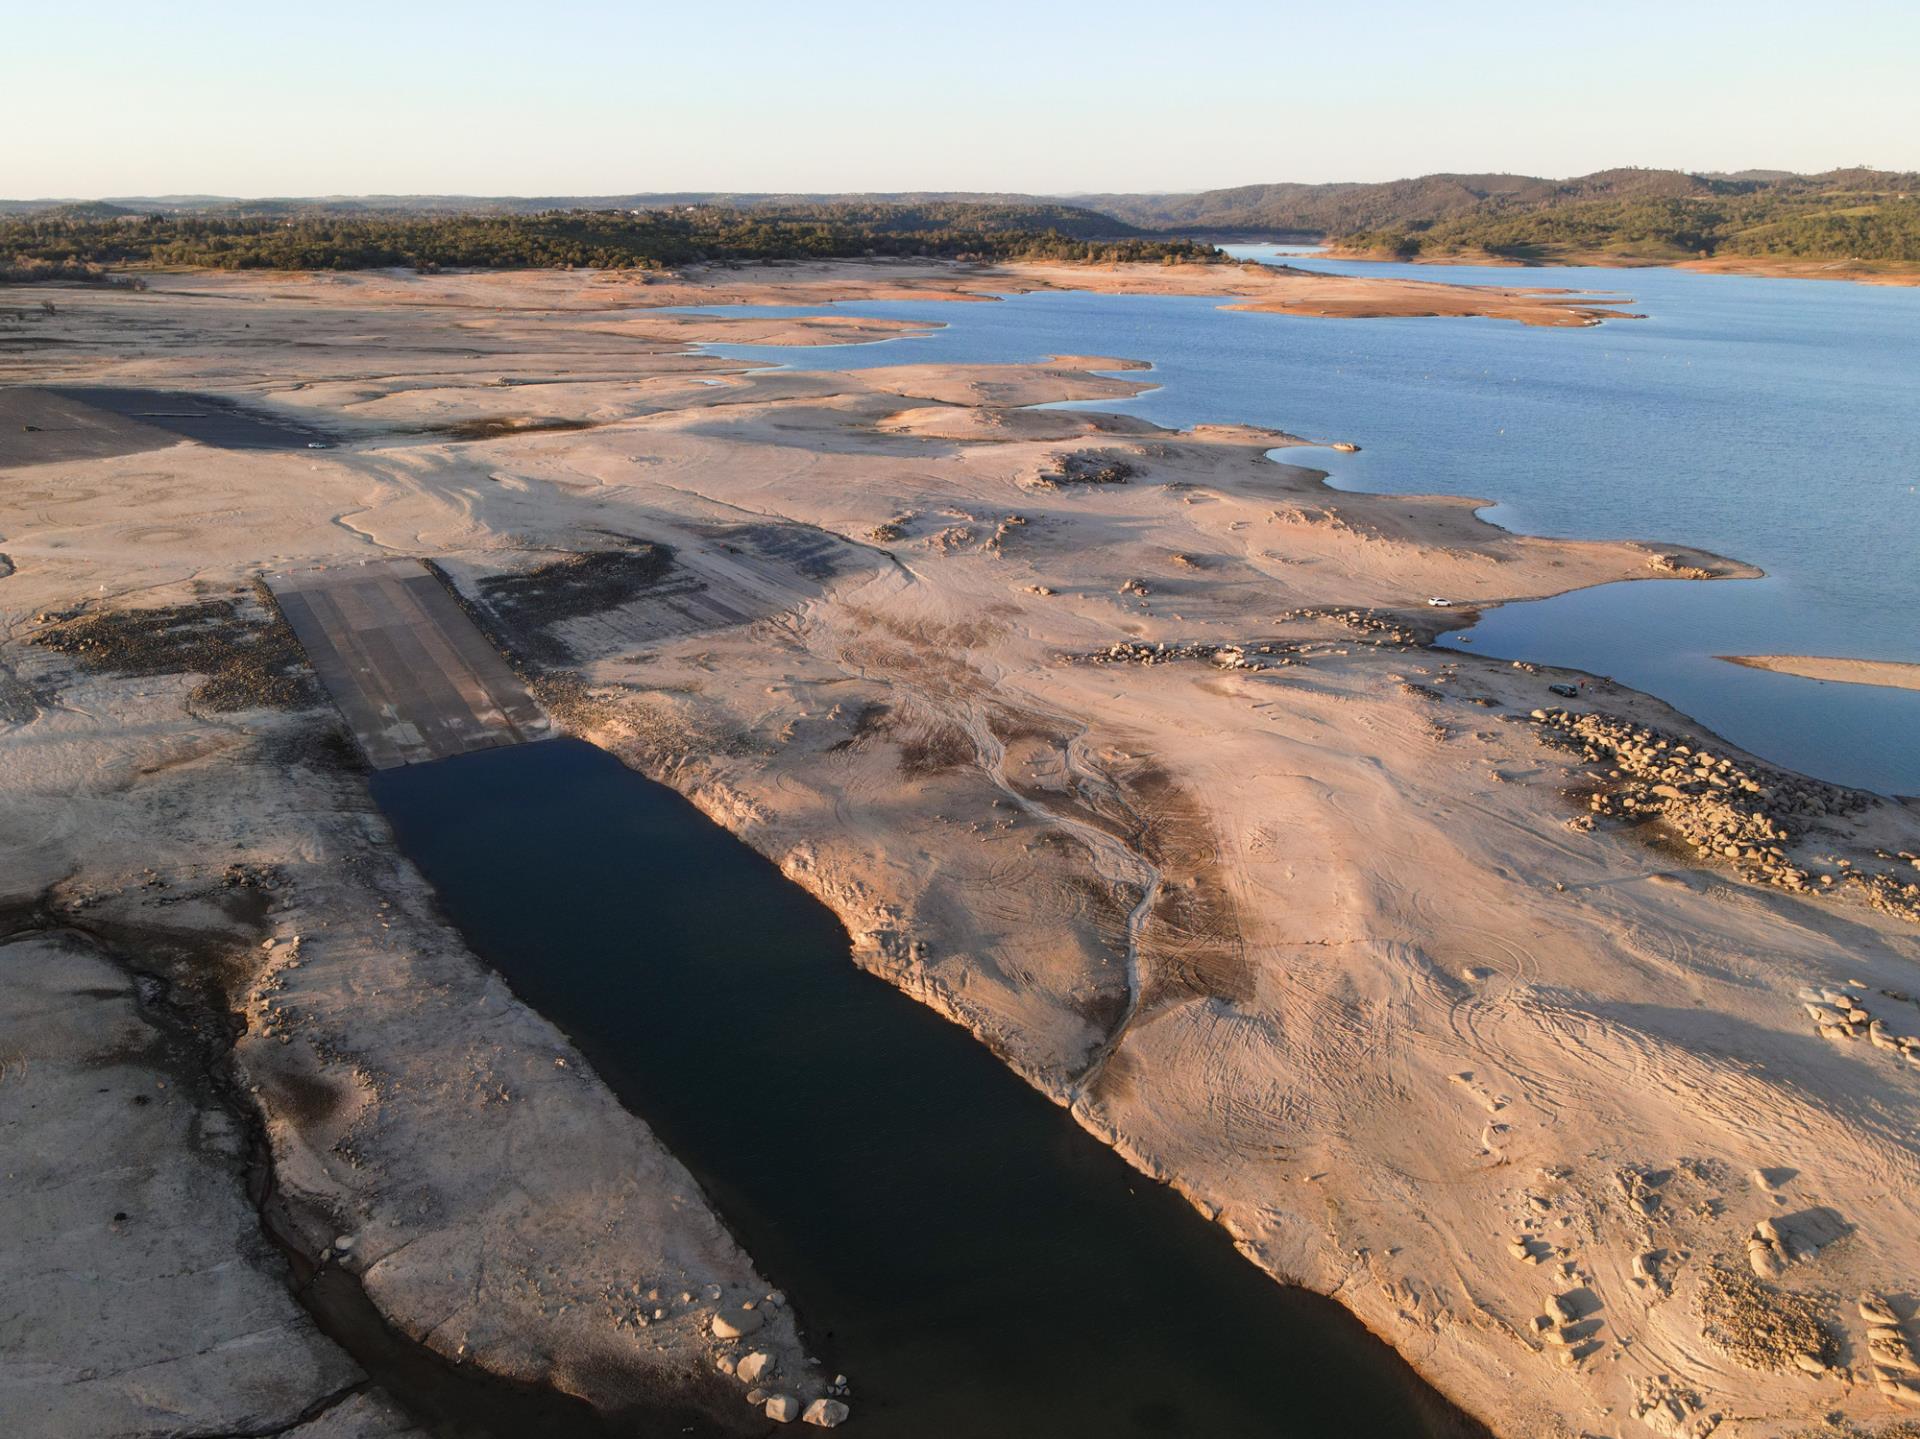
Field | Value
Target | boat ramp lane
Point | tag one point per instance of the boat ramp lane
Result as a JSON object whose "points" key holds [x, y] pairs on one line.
{"points": [[409, 672]]}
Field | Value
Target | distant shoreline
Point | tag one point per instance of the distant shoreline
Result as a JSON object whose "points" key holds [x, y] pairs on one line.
{"points": [[1864, 272]]}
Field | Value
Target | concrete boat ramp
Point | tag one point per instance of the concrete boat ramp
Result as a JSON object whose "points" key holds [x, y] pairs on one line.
{"points": [[409, 672]]}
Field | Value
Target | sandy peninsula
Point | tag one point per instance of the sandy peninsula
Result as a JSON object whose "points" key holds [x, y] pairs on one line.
{"points": [[1575, 1051], [1891, 674]]}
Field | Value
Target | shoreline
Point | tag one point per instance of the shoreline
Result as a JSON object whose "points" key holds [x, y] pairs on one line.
{"points": [[1864, 272], [1886, 674], [1039, 835]]}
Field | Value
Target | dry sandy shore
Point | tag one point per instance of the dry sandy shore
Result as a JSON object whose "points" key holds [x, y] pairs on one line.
{"points": [[1425, 996], [1892, 674]]}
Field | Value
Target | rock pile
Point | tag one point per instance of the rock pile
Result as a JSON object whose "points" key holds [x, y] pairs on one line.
{"points": [[759, 1371], [1842, 1015], [1226, 657], [1775, 1244], [1896, 1373], [1386, 628], [1744, 814], [1002, 532], [1565, 1329], [1676, 567], [1085, 467], [1765, 1328], [1672, 1410], [1885, 891]]}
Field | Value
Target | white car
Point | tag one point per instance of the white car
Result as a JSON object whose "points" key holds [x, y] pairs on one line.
{"points": [[1440, 604]]}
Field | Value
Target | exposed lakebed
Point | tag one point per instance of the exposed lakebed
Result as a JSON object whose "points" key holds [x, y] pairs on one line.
{"points": [[1765, 419], [973, 1260]]}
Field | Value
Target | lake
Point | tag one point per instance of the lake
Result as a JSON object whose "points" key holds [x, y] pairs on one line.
{"points": [[1774, 421]]}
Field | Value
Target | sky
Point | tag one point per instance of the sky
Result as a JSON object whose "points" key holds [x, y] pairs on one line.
{"points": [[580, 97]]}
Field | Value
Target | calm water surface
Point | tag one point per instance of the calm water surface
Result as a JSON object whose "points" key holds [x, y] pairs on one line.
{"points": [[980, 1266], [1775, 421]]}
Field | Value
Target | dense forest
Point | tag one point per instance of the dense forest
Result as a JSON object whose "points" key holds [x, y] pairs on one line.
{"points": [[1880, 224], [80, 242]]}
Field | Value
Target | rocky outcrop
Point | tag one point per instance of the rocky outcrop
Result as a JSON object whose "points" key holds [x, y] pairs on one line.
{"points": [[1743, 813]]}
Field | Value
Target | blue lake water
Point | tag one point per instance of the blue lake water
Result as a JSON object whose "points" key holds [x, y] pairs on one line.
{"points": [[1774, 421]]}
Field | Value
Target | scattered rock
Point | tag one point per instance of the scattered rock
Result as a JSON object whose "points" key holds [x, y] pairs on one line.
{"points": [[826, 1413], [1876, 1310], [783, 1408], [1744, 814], [1086, 467], [1764, 1327]]}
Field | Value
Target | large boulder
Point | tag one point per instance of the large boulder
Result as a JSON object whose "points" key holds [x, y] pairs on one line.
{"points": [[783, 1408], [737, 1323], [755, 1367]]}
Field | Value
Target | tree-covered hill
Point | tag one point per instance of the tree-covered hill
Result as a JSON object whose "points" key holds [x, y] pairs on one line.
{"points": [[1337, 209], [1851, 216]]}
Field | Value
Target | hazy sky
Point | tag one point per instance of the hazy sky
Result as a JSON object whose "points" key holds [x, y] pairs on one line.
{"points": [[592, 96]]}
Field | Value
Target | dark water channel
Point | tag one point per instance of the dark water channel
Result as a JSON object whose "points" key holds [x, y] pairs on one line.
{"points": [[979, 1266]]}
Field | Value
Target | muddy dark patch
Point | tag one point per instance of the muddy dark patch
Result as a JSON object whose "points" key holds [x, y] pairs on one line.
{"points": [[250, 660], [18, 703], [934, 749], [494, 427], [808, 552], [566, 696], [200, 967], [1086, 467], [1009, 725], [329, 749], [1191, 946], [526, 604], [869, 720]]}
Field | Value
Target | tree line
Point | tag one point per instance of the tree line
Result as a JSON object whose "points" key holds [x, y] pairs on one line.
{"points": [[78, 245]]}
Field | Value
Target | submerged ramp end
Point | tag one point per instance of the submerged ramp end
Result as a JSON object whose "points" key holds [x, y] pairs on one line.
{"points": [[408, 671]]}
